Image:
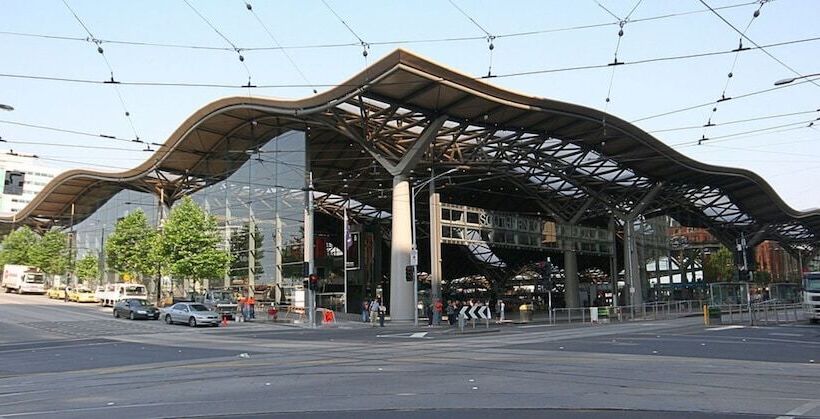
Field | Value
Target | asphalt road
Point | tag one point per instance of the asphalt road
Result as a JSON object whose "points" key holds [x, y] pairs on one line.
{"points": [[69, 360]]}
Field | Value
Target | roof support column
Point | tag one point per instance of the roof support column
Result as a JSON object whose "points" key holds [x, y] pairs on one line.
{"points": [[632, 271], [634, 293], [401, 291], [571, 278]]}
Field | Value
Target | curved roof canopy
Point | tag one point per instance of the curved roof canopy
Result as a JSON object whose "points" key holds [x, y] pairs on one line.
{"points": [[405, 115]]}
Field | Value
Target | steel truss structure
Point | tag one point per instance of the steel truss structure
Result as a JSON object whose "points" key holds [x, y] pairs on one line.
{"points": [[407, 116]]}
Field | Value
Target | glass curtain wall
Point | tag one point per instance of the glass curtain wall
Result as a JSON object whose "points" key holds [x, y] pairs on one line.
{"points": [[260, 216]]}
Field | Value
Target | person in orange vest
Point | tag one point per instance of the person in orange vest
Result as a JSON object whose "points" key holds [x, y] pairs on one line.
{"points": [[242, 307], [251, 302]]}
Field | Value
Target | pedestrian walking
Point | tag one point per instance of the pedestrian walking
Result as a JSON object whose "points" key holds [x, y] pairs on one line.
{"points": [[365, 311], [451, 313], [428, 311], [382, 313], [374, 312], [501, 311], [438, 308]]}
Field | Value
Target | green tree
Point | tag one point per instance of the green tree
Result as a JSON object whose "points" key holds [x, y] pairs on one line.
{"points": [[239, 252], [50, 253], [88, 269], [719, 266], [129, 248], [17, 247], [189, 244]]}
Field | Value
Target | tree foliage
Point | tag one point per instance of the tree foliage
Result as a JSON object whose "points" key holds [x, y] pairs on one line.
{"points": [[129, 248], [719, 266], [87, 269], [189, 244], [51, 253], [17, 247]]}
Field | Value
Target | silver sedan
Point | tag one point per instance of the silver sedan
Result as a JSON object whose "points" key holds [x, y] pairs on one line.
{"points": [[193, 314]]}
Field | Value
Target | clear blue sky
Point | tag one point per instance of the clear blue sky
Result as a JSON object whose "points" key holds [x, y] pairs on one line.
{"points": [[788, 157]]}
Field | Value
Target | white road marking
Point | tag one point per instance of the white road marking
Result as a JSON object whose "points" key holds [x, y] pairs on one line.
{"points": [[797, 335], [800, 410], [725, 327], [418, 335], [529, 326]]}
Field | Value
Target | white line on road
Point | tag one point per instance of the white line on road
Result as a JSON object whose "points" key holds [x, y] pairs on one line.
{"points": [[800, 410], [725, 327], [796, 335], [418, 335]]}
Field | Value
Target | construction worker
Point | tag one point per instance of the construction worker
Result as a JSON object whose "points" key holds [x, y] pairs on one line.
{"points": [[251, 302]]}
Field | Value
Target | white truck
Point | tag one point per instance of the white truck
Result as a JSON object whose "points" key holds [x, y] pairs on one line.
{"points": [[23, 279], [811, 295], [121, 291]]}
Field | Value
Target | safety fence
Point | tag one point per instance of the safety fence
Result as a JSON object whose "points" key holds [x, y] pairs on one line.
{"points": [[661, 310], [757, 314]]}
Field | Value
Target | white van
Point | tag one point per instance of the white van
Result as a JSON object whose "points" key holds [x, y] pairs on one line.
{"points": [[121, 291]]}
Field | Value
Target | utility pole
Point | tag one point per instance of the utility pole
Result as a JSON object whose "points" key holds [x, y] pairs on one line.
{"points": [[308, 248]]}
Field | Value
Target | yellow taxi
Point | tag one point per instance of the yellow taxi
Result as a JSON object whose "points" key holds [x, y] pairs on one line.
{"points": [[82, 295], [56, 292]]}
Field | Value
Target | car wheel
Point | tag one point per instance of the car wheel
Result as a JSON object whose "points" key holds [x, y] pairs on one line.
{"points": [[192, 322], [116, 314], [131, 316], [168, 319]]}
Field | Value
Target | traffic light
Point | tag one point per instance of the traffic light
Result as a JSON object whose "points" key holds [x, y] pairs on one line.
{"points": [[409, 272], [313, 280]]}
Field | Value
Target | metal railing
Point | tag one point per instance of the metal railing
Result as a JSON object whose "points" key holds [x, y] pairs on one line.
{"points": [[661, 310], [762, 313]]}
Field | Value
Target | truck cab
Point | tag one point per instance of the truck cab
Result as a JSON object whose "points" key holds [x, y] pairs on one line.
{"points": [[811, 295], [219, 300]]}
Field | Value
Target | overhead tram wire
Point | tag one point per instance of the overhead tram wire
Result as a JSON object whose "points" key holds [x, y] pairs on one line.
{"points": [[743, 35], [221, 35], [505, 75], [112, 81], [75, 132], [729, 75], [489, 37], [689, 108], [347, 45], [365, 45], [739, 121], [279, 46], [615, 63]]}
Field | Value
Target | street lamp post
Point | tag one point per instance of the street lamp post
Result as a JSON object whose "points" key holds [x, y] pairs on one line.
{"points": [[791, 79], [414, 253]]}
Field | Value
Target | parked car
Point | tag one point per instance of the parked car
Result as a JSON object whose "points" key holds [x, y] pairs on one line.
{"points": [[135, 308], [56, 292], [193, 314], [82, 295]]}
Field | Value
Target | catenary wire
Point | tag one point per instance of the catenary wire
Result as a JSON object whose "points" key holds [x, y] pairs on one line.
{"points": [[350, 44], [743, 35]]}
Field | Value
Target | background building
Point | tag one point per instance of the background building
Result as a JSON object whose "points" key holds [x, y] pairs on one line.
{"points": [[24, 176]]}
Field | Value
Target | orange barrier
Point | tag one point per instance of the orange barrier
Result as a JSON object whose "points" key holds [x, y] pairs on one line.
{"points": [[330, 316]]}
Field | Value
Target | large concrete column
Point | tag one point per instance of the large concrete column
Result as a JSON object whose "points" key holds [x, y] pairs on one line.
{"points": [[435, 244], [401, 290], [571, 279], [632, 276]]}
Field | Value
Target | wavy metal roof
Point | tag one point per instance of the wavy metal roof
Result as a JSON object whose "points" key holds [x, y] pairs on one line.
{"points": [[522, 153]]}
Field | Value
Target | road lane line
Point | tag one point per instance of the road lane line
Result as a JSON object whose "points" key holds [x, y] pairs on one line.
{"points": [[715, 329], [794, 335], [800, 410]]}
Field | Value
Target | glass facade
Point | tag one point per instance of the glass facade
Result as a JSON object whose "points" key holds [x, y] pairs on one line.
{"points": [[263, 197]]}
